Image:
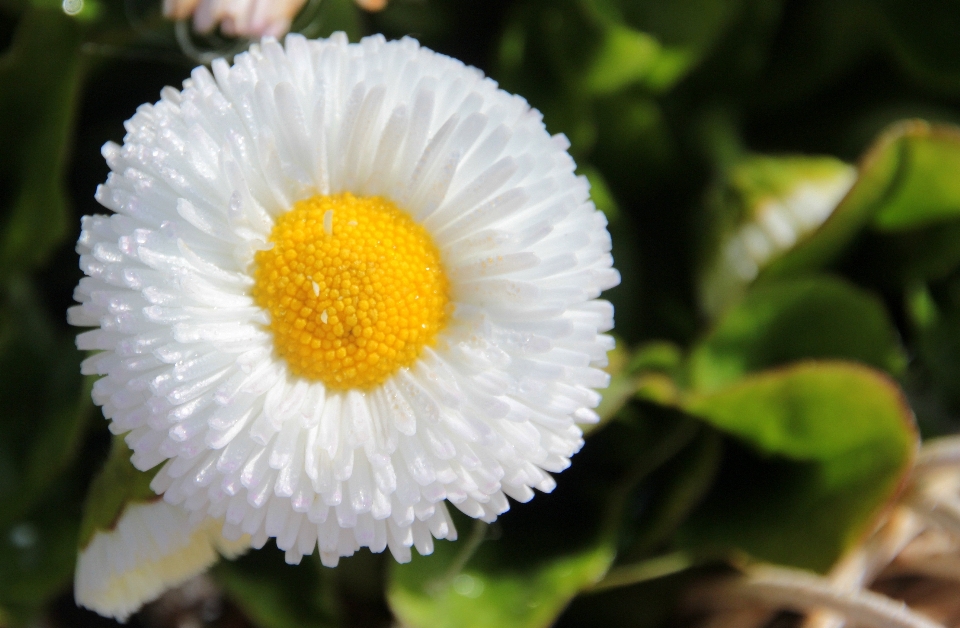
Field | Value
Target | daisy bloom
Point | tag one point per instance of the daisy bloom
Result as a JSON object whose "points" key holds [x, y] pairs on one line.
{"points": [[237, 18], [785, 201], [372, 5], [344, 284], [152, 547]]}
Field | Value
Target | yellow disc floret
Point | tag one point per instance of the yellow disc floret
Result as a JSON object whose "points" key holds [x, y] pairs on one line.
{"points": [[354, 289]]}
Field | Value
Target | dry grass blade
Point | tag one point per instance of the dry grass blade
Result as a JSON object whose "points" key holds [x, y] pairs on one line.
{"points": [[918, 540]]}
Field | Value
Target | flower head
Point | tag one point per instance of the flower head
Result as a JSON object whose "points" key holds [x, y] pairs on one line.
{"points": [[343, 284], [152, 547], [237, 18]]}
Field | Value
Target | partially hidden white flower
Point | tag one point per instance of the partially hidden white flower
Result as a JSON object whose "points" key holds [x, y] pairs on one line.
{"points": [[343, 284], [152, 547], [777, 220], [237, 18]]}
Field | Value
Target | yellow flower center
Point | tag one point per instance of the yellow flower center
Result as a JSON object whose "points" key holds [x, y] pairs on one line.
{"points": [[354, 289]]}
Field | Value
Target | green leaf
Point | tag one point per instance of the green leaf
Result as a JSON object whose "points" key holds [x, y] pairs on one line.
{"points": [[627, 57], [792, 319], [927, 188], [568, 57], [46, 401], [908, 193], [658, 369], [118, 485], [684, 31], [273, 594], [39, 86], [427, 594], [826, 446], [904, 257]]}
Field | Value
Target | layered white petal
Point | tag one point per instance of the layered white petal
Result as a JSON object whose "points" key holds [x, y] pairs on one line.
{"points": [[153, 546], [188, 368]]}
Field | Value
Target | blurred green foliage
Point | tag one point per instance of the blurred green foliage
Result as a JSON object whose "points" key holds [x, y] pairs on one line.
{"points": [[773, 422]]}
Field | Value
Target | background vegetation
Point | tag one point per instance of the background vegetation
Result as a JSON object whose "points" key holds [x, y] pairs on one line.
{"points": [[750, 418]]}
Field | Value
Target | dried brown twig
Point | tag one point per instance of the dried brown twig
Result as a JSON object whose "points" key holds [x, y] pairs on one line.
{"points": [[919, 537]]}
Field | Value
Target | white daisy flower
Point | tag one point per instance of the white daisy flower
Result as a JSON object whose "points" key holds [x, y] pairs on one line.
{"points": [[153, 546], [785, 211], [343, 284]]}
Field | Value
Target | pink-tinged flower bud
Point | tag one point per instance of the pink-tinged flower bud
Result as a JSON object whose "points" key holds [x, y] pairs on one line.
{"points": [[237, 18]]}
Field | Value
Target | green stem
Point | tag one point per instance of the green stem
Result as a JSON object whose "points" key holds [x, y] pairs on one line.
{"points": [[470, 545], [643, 571]]}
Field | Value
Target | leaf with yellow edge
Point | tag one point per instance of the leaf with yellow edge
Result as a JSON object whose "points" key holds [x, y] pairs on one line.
{"points": [[824, 448], [427, 593]]}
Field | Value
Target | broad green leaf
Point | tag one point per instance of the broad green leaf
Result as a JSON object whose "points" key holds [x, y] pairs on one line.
{"points": [[793, 319], [905, 257], [46, 401], [927, 188], [761, 179], [118, 485], [273, 594], [39, 85], [427, 595], [825, 447], [908, 192]]}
